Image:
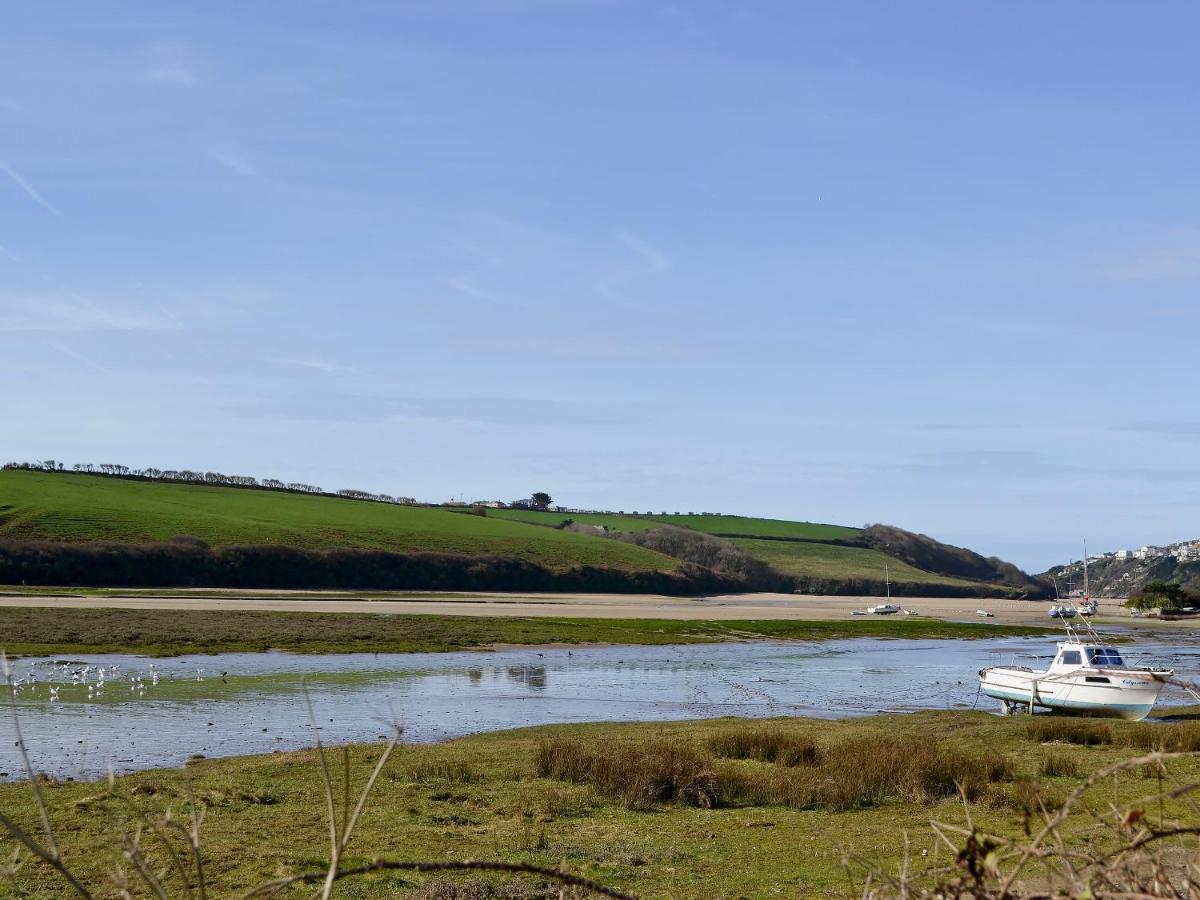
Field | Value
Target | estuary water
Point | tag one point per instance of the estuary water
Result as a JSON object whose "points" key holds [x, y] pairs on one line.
{"points": [[86, 715]]}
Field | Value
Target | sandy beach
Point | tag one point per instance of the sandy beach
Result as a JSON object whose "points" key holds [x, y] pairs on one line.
{"points": [[602, 606]]}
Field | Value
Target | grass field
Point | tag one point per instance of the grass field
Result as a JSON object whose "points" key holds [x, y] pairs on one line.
{"points": [[68, 507], [48, 632], [833, 561], [724, 525], [481, 797]]}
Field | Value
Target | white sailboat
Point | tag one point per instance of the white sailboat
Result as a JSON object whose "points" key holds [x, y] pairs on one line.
{"points": [[887, 608]]}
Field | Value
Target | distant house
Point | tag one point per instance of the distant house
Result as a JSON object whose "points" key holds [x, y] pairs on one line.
{"points": [[490, 504], [1122, 554]]}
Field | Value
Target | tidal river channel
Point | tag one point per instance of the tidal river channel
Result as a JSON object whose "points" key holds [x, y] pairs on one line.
{"points": [[82, 716]]}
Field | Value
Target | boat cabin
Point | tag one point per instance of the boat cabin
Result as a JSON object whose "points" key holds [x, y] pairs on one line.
{"points": [[1072, 655]]}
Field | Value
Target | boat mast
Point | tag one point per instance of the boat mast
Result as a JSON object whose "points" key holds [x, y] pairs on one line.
{"points": [[887, 583], [1087, 593]]}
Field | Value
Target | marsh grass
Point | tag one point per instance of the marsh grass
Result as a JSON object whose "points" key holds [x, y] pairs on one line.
{"points": [[857, 772], [454, 771], [1045, 729], [640, 777], [867, 771], [1055, 764], [766, 744], [1176, 737]]}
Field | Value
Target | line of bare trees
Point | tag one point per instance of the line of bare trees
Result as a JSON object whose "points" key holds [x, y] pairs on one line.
{"points": [[187, 476]]}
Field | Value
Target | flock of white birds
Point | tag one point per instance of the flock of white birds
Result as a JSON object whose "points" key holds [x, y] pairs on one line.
{"points": [[72, 681]]}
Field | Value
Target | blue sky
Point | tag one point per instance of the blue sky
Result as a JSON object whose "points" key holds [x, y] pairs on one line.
{"points": [[929, 264]]}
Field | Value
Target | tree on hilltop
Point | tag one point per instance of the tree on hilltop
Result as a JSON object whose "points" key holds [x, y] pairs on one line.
{"points": [[540, 500]]}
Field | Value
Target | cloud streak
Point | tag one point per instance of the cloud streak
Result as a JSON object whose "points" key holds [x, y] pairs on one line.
{"points": [[1178, 258], [56, 316], [655, 259], [29, 189]]}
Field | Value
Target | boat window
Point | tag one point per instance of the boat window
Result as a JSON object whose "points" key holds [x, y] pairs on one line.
{"points": [[1104, 656], [1096, 679], [1071, 658]]}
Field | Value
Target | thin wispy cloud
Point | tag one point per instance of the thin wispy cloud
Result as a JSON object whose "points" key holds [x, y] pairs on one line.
{"points": [[508, 412], [233, 161], [655, 259], [463, 285], [1182, 429], [54, 315], [8, 254], [317, 365], [29, 189], [1176, 258], [79, 357], [175, 64]]}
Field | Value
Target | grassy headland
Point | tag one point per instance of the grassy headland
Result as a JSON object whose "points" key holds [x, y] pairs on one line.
{"points": [[52, 632], [87, 529], [71, 508], [721, 808]]}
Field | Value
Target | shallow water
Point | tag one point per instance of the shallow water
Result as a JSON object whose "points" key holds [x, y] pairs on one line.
{"points": [[154, 713]]}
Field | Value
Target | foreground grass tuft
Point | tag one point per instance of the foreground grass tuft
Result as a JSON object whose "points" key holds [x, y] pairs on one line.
{"points": [[1053, 728], [1179, 737], [859, 772], [766, 744], [639, 777]]}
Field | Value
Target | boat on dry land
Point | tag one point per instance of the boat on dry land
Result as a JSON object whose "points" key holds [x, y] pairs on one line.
{"points": [[1086, 676]]}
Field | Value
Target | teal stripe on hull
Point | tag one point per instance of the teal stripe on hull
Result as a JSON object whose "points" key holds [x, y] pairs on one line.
{"points": [[1000, 694]]}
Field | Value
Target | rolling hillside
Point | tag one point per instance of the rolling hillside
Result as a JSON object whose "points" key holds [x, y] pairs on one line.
{"points": [[822, 558], [492, 551], [76, 508], [724, 526]]}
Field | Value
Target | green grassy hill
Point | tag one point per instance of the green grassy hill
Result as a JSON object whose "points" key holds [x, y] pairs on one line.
{"points": [[829, 561], [76, 508], [742, 526], [805, 550]]}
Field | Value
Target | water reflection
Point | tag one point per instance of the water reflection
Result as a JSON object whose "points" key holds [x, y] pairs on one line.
{"points": [[142, 714]]}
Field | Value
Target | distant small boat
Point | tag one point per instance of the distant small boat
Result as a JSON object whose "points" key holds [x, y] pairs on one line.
{"points": [[1062, 612], [858, 612], [1171, 615], [887, 608], [985, 613]]}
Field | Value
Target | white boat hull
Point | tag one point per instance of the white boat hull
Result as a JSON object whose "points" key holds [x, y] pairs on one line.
{"points": [[1125, 694]]}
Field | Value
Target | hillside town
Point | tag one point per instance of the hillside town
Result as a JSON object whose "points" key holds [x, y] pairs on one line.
{"points": [[1184, 551]]}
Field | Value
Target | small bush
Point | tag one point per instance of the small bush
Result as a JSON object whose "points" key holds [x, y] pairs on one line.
{"points": [[765, 744], [1054, 765], [1051, 728], [639, 777]]}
